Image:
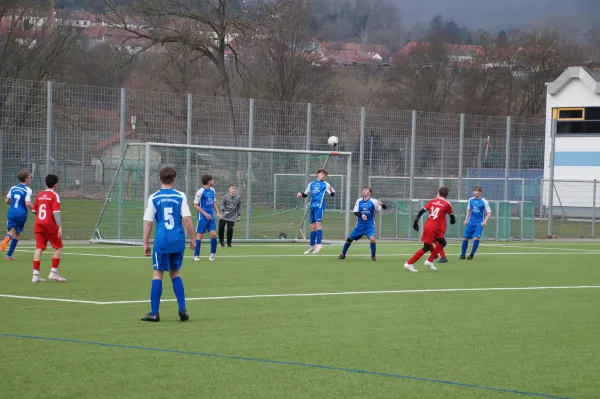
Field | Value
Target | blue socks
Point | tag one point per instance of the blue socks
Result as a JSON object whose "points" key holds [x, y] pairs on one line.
{"points": [[213, 245], [313, 237], [179, 292], [155, 294], [373, 249], [465, 245], [319, 235], [11, 249], [475, 245], [346, 247], [197, 249]]}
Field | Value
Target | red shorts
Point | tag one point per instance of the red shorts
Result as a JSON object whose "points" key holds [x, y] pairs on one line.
{"points": [[430, 235], [42, 239]]}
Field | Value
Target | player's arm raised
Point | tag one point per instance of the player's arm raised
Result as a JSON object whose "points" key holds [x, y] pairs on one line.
{"points": [[305, 193], [330, 190]]}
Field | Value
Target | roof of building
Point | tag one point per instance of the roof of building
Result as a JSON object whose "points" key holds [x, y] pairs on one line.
{"points": [[591, 79]]}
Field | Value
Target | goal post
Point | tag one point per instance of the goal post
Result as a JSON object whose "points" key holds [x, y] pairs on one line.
{"points": [[252, 170]]}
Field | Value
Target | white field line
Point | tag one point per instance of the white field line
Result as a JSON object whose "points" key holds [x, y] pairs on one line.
{"points": [[583, 252], [318, 294], [542, 247]]}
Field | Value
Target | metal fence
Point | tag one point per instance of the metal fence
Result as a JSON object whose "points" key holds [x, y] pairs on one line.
{"points": [[79, 132]]}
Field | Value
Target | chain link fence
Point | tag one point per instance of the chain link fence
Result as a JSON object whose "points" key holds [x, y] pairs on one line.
{"points": [[80, 132]]}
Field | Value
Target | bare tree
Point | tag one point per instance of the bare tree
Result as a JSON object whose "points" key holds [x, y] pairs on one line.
{"points": [[206, 27]]}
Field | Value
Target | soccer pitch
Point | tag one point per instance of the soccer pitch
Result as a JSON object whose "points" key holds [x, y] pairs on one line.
{"points": [[521, 320]]}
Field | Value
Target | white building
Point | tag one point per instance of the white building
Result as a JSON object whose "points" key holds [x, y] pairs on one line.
{"points": [[573, 100]]}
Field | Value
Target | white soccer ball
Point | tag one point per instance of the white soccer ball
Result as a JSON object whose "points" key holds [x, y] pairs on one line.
{"points": [[333, 141]]}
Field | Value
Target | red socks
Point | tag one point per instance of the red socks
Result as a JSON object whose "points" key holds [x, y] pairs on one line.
{"points": [[36, 266], [416, 257]]}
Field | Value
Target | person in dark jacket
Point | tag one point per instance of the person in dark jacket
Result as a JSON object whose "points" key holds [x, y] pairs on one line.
{"points": [[231, 207]]}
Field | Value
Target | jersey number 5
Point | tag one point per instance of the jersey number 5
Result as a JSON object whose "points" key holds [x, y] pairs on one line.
{"points": [[169, 221], [434, 213]]}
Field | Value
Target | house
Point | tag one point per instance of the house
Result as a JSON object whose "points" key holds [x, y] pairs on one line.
{"points": [[573, 106], [457, 53]]}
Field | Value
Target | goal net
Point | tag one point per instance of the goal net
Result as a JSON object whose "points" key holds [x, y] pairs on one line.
{"points": [[267, 182]]}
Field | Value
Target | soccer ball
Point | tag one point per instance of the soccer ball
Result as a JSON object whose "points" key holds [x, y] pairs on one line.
{"points": [[332, 141]]}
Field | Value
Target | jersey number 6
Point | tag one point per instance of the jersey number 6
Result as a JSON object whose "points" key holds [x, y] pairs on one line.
{"points": [[42, 213]]}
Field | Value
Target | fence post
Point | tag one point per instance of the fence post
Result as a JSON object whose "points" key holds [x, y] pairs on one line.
{"points": [[520, 160], [361, 156], [411, 187], [307, 158], [551, 177], [249, 178], [48, 126], [122, 152], [507, 158], [522, 209], [594, 209], [461, 154], [370, 158], [443, 145], [188, 141]]}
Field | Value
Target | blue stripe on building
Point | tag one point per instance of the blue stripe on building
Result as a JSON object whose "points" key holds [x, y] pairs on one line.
{"points": [[577, 159]]}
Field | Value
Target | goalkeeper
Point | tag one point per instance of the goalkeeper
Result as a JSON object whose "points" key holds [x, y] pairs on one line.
{"points": [[231, 208]]}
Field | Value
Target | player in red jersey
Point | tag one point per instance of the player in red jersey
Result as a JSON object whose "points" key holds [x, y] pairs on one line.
{"points": [[435, 228], [48, 228]]}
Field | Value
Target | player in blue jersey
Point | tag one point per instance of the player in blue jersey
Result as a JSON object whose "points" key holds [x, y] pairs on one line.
{"points": [[364, 210], [207, 208], [169, 209], [19, 203], [475, 221], [317, 190]]}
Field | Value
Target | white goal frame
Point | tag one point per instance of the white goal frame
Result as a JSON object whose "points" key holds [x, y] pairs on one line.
{"points": [[97, 238]]}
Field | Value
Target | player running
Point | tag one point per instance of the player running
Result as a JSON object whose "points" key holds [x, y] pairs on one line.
{"points": [[317, 190], [47, 228], [475, 221], [170, 210], [364, 209], [19, 203], [435, 228], [207, 208]]}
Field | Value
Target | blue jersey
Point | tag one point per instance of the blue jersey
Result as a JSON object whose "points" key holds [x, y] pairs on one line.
{"points": [[168, 207], [368, 208], [478, 207], [19, 196], [205, 199], [317, 191]]}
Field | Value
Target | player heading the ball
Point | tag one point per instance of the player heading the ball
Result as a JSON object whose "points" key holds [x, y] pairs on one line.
{"points": [[18, 199], [435, 229], [169, 209], [317, 190], [475, 221], [47, 228], [364, 210], [207, 208]]}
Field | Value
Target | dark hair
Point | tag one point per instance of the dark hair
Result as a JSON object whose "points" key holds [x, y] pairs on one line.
{"points": [[23, 175], [205, 179], [51, 181], [443, 192], [478, 188], [232, 185], [323, 171], [370, 189], [167, 175]]}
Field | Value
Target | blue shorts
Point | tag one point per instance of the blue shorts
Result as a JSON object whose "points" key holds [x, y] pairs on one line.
{"points": [[167, 262], [473, 230], [18, 225], [316, 215], [359, 231], [205, 225]]}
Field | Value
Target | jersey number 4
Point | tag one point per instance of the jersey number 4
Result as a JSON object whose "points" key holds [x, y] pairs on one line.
{"points": [[434, 213], [169, 221]]}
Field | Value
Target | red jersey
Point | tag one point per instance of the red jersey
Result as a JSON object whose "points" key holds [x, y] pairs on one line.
{"points": [[438, 208], [46, 203]]}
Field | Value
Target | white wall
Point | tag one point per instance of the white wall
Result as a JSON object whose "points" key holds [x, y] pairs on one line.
{"points": [[574, 94]]}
